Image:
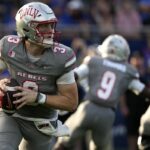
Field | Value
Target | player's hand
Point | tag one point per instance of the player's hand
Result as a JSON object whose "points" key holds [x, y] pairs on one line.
{"points": [[3, 83], [28, 96]]}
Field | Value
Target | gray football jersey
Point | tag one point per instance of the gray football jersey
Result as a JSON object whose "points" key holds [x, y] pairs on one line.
{"points": [[40, 75], [108, 80]]}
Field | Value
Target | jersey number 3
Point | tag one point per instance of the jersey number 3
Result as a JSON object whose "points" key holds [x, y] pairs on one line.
{"points": [[106, 85]]}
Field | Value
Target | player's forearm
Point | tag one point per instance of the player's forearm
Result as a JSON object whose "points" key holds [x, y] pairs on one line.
{"points": [[67, 99], [62, 102]]}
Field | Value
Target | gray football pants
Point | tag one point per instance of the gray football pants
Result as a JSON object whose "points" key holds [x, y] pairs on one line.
{"points": [[12, 130], [96, 119]]}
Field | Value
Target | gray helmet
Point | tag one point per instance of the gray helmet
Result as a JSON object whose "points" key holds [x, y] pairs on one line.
{"points": [[29, 17], [115, 47]]}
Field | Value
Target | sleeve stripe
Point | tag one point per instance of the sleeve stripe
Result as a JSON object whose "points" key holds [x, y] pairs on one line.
{"points": [[70, 62]]}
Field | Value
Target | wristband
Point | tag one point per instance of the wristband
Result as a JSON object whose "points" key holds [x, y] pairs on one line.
{"points": [[41, 98]]}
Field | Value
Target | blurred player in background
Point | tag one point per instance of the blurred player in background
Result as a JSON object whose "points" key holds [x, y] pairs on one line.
{"points": [[44, 70], [109, 77]]}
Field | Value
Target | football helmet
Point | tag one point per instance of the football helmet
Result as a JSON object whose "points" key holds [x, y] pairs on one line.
{"points": [[114, 47], [31, 18]]}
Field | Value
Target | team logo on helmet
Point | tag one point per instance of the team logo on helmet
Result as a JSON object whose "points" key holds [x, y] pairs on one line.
{"points": [[29, 11]]}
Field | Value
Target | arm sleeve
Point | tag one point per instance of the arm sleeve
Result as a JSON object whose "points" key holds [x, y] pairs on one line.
{"points": [[67, 78], [3, 65], [70, 62], [136, 86]]}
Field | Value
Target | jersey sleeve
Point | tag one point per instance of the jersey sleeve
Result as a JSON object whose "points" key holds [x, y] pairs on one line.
{"points": [[7, 43], [133, 72], [70, 62], [82, 71], [67, 78], [3, 65], [136, 86], [1, 46]]}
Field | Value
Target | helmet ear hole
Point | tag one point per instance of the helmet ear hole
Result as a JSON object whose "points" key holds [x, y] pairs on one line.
{"points": [[26, 30], [112, 51]]}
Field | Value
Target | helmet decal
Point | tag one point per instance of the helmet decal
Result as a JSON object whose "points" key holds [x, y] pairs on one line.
{"points": [[29, 11]]}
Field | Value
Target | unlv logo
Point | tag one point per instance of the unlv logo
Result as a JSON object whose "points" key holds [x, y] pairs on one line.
{"points": [[29, 11]]}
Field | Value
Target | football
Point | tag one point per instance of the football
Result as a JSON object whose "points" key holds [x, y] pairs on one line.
{"points": [[7, 100]]}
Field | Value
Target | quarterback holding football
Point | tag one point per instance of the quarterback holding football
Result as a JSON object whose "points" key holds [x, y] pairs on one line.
{"points": [[41, 81]]}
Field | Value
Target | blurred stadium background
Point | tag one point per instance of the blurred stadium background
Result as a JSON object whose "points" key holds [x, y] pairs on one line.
{"points": [[85, 23]]}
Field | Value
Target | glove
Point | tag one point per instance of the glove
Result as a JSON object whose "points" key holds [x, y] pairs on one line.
{"points": [[7, 100]]}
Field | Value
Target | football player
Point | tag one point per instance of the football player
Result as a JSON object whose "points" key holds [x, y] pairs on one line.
{"points": [[44, 71], [109, 76]]}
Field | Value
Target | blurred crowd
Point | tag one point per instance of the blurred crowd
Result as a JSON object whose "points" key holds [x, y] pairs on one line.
{"points": [[91, 20], [85, 23]]}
